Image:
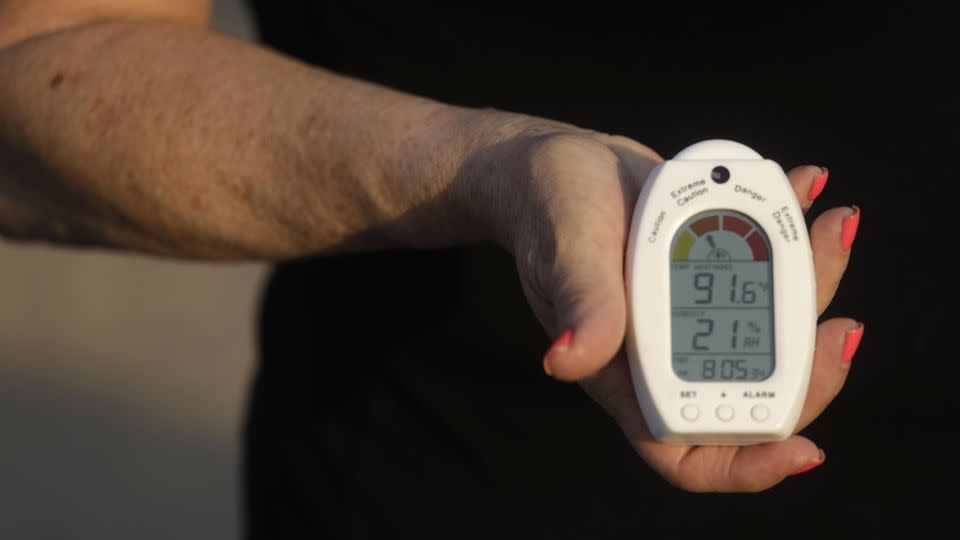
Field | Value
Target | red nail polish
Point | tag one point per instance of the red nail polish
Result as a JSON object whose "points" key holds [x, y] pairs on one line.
{"points": [[811, 465], [560, 345], [819, 182], [850, 343], [848, 228]]}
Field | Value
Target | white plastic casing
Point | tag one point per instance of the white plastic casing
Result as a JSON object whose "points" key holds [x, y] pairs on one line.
{"points": [[759, 189]]}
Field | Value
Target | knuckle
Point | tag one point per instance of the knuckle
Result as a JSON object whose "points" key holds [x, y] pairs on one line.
{"points": [[690, 483], [640, 149], [571, 147]]}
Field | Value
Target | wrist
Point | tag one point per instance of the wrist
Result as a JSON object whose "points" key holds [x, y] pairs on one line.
{"points": [[457, 166], [491, 189], [430, 172]]}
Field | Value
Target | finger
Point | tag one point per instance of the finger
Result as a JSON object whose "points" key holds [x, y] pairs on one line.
{"points": [[717, 468], [837, 341], [808, 182], [758, 467], [744, 468], [591, 310], [595, 311], [700, 468], [585, 277], [831, 237]]}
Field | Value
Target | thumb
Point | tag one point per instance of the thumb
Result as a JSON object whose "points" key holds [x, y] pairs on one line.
{"points": [[590, 307]]}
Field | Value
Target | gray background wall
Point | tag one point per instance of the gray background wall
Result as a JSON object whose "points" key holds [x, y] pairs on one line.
{"points": [[122, 386]]}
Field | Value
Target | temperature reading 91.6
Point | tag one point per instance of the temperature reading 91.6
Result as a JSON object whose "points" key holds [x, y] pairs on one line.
{"points": [[746, 294], [721, 301]]}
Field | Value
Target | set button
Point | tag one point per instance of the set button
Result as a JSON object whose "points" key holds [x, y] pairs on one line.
{"points": [[690, 412]]}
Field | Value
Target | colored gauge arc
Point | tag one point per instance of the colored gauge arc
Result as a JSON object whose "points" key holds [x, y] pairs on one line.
{"points": [[721, 235]]}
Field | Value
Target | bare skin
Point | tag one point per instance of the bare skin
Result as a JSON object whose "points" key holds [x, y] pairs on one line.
{"points": [[126, 124]]}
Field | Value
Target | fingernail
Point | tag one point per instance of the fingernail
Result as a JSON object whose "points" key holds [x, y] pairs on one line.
{"points": [[848, 228], [812, 464], [819, 182], [850, 343], [559, 346]]}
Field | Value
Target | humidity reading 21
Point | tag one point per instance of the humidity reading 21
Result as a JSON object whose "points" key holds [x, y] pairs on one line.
{"points": [[722, 313]]}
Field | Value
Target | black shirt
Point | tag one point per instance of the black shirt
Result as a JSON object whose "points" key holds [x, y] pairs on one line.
{"points": [[400, 394]]}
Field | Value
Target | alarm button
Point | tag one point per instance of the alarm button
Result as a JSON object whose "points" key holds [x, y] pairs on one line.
{"points": [[690, 412], [725, 413], [760, 413]]}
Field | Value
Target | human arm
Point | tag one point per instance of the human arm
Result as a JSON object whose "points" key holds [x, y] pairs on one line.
{"points": [[144, 131], [198, 154]]}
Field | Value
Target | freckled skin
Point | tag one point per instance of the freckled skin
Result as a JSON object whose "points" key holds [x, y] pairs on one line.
{"points": [[194, 155]]}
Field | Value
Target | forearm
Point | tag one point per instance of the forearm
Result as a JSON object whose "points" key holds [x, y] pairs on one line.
{"points": [[168, 139]]}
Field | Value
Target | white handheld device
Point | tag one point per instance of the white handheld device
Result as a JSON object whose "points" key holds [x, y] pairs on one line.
{"points": [[721, 293]]}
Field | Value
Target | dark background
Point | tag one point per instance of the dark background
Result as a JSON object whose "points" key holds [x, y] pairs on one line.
{"points": [[865, 90]]}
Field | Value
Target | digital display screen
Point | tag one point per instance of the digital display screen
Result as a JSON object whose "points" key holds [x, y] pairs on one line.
{"points": [[721, 299]]}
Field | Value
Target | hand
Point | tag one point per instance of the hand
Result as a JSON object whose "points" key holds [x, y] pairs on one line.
{"points": [[562, 200]]}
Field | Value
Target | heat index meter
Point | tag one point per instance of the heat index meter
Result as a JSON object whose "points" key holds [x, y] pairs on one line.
{"points": [[721, 293]]}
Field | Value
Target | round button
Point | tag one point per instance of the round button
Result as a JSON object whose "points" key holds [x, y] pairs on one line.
{"points": [[690, 412], [725, 413], [720, 174], [760, 413]]}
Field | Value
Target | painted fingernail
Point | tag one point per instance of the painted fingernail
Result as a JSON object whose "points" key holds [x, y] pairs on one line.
{"points": [[813, 464], [850, 343], [560, 346], [848, 228], [819, 182]]}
